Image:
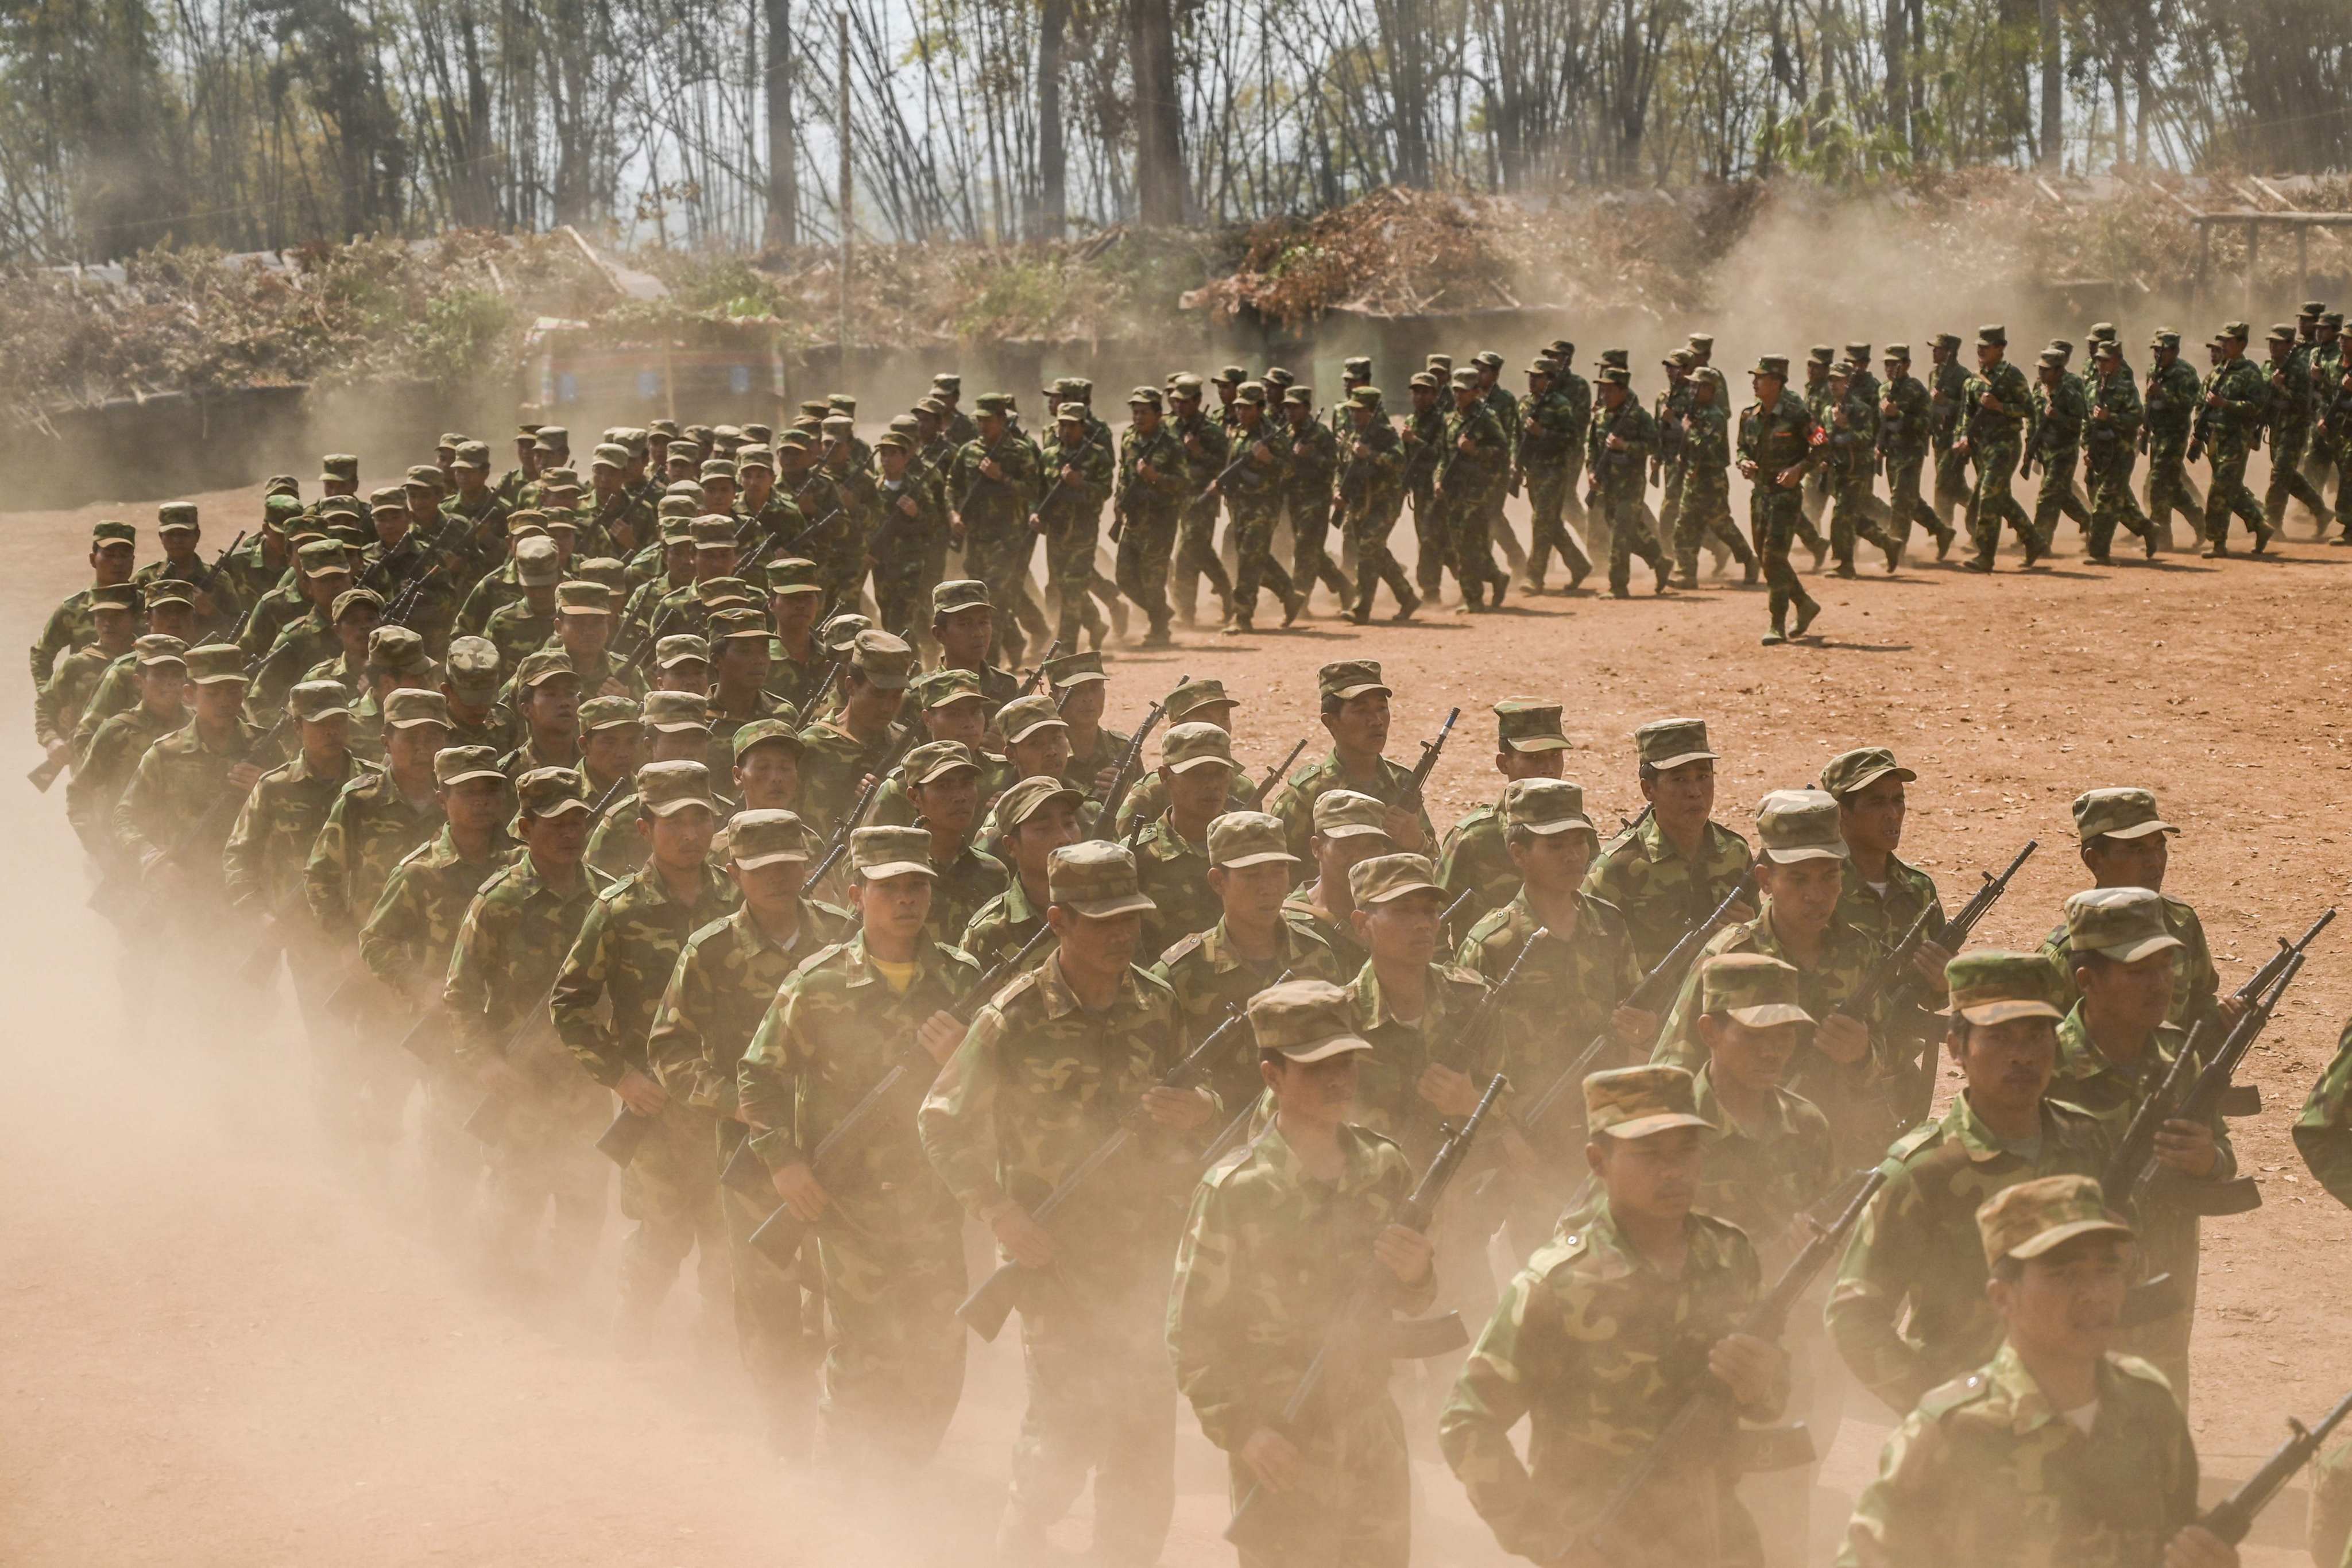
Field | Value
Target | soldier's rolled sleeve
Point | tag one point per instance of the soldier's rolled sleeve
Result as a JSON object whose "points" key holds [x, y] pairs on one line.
{"points": [[581, 985], [1871, 1284], [1490, 1397], [957, 1121], [767, 1086]]}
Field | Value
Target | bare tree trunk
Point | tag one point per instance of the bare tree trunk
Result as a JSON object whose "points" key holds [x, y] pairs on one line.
{"points": [[1050, 214], [784, 227], [2053, 89], [1898, 89], [1161, 197]]}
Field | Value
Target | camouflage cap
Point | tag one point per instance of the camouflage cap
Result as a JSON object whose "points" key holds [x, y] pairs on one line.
{"points": [[111, 532], [611, 713], [1610, 376], [610, 572], [946, 382], [1095, 878], [2125, 924], [1993, 336], [1231, 376], [155, 648], [1032, 795], [1821, 354], [1383, 879], [472, 666], [2312, 307], [2282, 332], [1465, 380], [1700, 343], [455, 765], [397, 651], [423, 476], [1305, 1020], [1186, 385], [1679, 360], [351, 599], [1071, 413], [322, 557], [1240, 839], [895, 441], [839, 633], [1184, 747], [1422, 381], [1794, 825], [2117, 813], [1528, 725], [528, 523], [1443, 364], [2051, 360], [1640, 1102], [725, 434], [666, 788], [884, 660], [1073, 669], [713, 592], [168, 590], [2331, 318], [879, 853], [341, 466], [713, 530], [314, 702], [538, 563], [1024, 716], [1346, 814], [1542, 365], [2036, 1216], [942, 688], [388, 498], [1990, 986], [1754, 988], [720, 470], [1367, 397], [995, 403], [581, 596], [1545, 806], [610, 454], [1347, 678], [548, 792], [2237, 329], [1669, 743], [1252, 393], [449, 439], [1896, 353], [1771, 365], [1278, 379], [114, 597], [280, 511], [552, 438], [958, 594], [472, 455], [1357, 367], [794, 575], [766, 837], [1944, 340], [937, 760], [176, 517], [761, 730], [543, 664], [757, 455], [1196, 697], [1852, 772], [743, 625], [1297, 397], [2106, 349], [216, 664], [2102, 331], [1561, 350], [2165, 339]]}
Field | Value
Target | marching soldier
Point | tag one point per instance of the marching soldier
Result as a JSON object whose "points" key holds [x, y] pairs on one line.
{"points": [[1355, 710], [1474, 860], [1676, 864]]}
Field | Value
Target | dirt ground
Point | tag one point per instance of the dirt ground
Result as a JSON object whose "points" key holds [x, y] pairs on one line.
{"points": [[217, 1348]]}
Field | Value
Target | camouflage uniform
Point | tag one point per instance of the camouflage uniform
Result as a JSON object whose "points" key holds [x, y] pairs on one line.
{"points": [[2109, 449], [2172, 399], [178, 806], [502, 966], [891, 1245], [1906, 437], [1422, 454], [1705, 505], [1000, 928], [618, 967], [1887, 917], [1916, 1243], [1338, 936], [1550, 456], [2061, 414], [1617, 488], [370, 828], [1272, 1258], [1985, 1471], [1774, 440], [1035, 1087], [1853, 449], [71, 625], [1212, 982], [1598, 1349], [1071, 522], [96, 783], [1173, 871], [995, 516], [1294, 799], [1371, 493], [2196, 983], [1761, 1175], [1147, 513], [1196, 554], [961, 888], [1948, 393], [1307, 496], [1470, 491], [1993, 438], [1662, 895], [2323, 1132], [1253, 494], [2289, 416], [267, 849], [60, 701], [2230, 434]]}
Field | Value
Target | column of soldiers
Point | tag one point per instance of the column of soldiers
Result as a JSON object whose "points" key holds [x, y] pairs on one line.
{"points": [[563, 810]]}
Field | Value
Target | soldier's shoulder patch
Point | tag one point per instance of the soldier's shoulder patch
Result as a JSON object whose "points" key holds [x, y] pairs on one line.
{"points": [[1971, 1388], [819, 958], [418, 853], [1180, 950], [624, 885], [498, 878], [1224, 1167], [1564, 1250], [1013, 992], [1910, 1143]]}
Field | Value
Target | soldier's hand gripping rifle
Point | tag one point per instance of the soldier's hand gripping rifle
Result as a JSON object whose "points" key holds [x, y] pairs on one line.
{"points": [[2233, 1516], [779, 1236], [1709, 1406], [2133, 1170], [1366, 1327], [1652, 994]]}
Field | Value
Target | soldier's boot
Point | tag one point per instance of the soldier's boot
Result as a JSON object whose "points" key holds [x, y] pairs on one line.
{"points": [[1845, 568], [1751, 574], [1296, 605], [1406, 605], [1807, 610], [1496, 582], [1894, 548]]}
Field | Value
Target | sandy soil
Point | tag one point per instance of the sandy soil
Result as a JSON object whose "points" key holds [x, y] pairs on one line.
{"points": [[214, 1348]]}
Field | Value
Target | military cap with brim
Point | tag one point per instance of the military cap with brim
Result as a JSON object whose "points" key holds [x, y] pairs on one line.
{"points": [[1069, 669], [579, 596], [548, 792], [2035, 1216], [1990, 986], [1196, 696], [1526, 725], [114, 596], [1240, 839], [413, 708], [1752, 989], [713, 592], [666, 788], [766, 837], [1944, 340], [1993, 336], [2125, 924], [1356, 365], [1096, 879], [1383, 879], [937, 760], [472, 664], [543, 664], [423, 476], [794, 575], [471, 455], [611, 713], [552, 438], [280, 511], [1858, 769], [1253, 392], [455, 765], [1771, 365], [2117, 813], [112, 532], [168, 590], [396, 650], [1641, 1102], [884, 660], [1465, 380], [538, 563], [388, 498], [958, 594], [340, 465], [155, 648], [1545, 806], [879, 853], [1366, 397], [737, 625], [314, 702], [2237, 329], [839, 635], [351, 599], [1032, 795], [1305, 1020], [944, 688], [681, 648], [1348, 678], [1196, 744], [322, 557], [1794, 825], [1024, 716], [1348, 814], [1670, 742], [762, 731], [216, 664], [176, 516], [1613, 376], [610, 455]]}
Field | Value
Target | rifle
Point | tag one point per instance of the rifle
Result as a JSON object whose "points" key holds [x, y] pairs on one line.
{"points": [[824, 684], [1280, 770], [2132, 1168], [1708, 1405], [1087, 446], [987, 455], [2233, 1516], [1116, 790], [204, 585], [1650, 995], [1430, 752], [779, 1236], [1030, 683], [1366, 1307], [1217, 484], [1956, 930], [838, 844]]}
